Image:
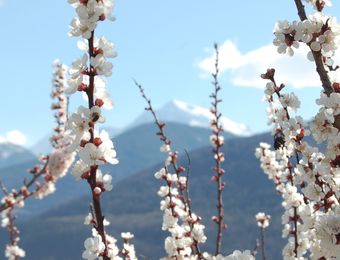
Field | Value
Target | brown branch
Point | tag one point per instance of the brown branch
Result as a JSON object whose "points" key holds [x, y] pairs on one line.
{"points": [[92, 180], [320, 68], [318, 58]]}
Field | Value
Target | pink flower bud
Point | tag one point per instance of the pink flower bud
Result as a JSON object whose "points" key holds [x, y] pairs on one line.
{"points": [[214, 178]]}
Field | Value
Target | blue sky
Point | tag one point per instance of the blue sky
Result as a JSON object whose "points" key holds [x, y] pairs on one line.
{"points": [[165, 45]]}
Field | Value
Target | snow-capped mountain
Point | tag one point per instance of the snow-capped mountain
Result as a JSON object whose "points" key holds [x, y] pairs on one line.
{"points": [[11, 154], [192, 115]]}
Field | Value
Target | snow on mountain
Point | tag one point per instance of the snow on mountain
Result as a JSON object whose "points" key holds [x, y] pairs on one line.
{"points": [[11, 154], [43, 146], [192, 115]]}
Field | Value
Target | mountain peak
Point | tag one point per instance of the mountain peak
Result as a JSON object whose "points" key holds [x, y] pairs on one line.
{"points": [[193, 115]]}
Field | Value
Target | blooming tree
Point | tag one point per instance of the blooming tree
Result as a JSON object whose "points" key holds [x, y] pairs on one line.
{"points": [[307, 177]]}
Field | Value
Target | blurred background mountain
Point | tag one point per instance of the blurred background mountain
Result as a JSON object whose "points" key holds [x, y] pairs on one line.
{"points": [[52, 228]]}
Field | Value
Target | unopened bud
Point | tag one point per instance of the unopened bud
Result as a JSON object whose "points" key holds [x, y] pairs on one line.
{"points": [[97, 191]]}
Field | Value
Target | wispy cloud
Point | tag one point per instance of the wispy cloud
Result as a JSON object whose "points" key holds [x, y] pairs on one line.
{"points": [[2, 2], [245, 68], [14, 137]]}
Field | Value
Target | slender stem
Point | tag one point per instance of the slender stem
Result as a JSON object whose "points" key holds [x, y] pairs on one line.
{"points": [[217, 151], [188, 200], [13, 232], [256, 247], [296, 216], [163, 138], [263, 248], [183, 191], [296, 244], [26, 186]]}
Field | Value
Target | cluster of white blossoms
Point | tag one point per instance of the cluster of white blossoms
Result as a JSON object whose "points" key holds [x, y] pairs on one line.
{"points": [[44, 177], [12, 250], [320, 32], [307, 179], [262, 220], [319, 4], [58, 140], [89, 12], [128, 251], [61, 158], [94, 246], [184, 226], [92, 147], [236, 255]]}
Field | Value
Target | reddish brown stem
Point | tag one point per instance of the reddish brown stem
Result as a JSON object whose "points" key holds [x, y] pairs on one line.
{"points": [[295, 217], [26, 187], [217, 150], [183, 192], [93, 172]]}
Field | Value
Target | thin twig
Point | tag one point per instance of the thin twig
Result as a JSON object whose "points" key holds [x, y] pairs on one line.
{"points": [[256, 248], [23, 192], [3, 188], [263, 246], [217, 130], [183, 193]]}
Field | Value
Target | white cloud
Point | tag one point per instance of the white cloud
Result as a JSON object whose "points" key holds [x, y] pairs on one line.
{"points": [[245, 69], [14, 137], [2, 2]]}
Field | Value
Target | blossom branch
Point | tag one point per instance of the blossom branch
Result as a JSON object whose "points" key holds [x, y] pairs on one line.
{"points": [[263, 222], [320, 33], [217, 141], [308, 187], [320, 68], [173, 156], [94, 148], [12, 251], [190, 219]]}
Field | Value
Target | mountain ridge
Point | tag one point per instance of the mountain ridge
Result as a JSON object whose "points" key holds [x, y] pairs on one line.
{"points": [[191, 115]]}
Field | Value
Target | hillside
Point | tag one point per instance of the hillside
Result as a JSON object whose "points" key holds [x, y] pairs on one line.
{"points": [[134, 206], [12, 154], [137, 149]]}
